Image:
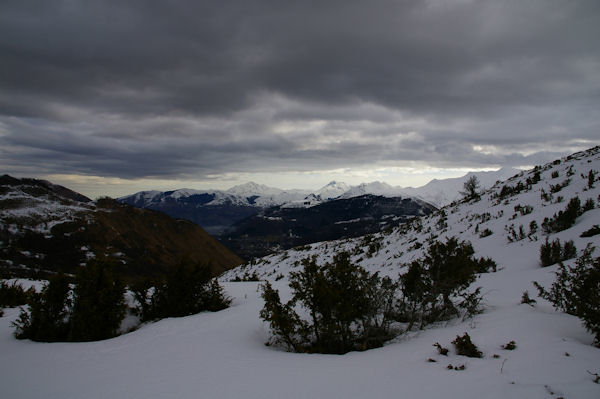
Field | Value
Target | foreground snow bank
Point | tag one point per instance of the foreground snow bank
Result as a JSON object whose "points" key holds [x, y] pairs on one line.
{"points": [[222, 355]]}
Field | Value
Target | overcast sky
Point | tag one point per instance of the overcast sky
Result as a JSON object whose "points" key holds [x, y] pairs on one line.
{"points": [[111, 97]]}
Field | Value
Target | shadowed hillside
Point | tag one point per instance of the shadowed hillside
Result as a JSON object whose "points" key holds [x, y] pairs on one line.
{"points": [[47, 228]]}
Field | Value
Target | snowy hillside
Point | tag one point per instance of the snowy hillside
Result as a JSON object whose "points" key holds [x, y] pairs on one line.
{"points": [[503, 216], [555, 352], [37, 205], [222, 355], [444, 191], [45, 228]]}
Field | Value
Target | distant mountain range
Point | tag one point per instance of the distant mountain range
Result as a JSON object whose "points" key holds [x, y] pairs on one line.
{"points": [[254, 220], [217, 210], [45, 228]]}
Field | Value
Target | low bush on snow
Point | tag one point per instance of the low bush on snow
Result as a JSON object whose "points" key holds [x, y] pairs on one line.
{"points": [[563, 219], [94, 307], [188, 289], [577, 291], [349, 308], [554, 252], [465, 347], [92, 310], [12, 295]]}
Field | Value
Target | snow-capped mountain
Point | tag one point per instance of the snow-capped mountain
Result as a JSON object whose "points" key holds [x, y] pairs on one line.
{"points": [[254, 189], [326, 193], [333, 189], [248, 194], [374, 188], [215, 210]]}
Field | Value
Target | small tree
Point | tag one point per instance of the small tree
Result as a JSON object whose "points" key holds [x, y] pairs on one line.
{"points": [[285, 324], [12, 295], [577, 291], [99, 305], [94, 311], [416, 287], [554, 252], [48, 317], [433, 286], [348, 308], [188, 289], [470, 188], [451, 268]]}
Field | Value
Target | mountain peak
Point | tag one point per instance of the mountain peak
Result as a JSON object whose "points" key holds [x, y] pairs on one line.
{"points": [[333, 183], [375, 188], [253, 188], [332, 190]]}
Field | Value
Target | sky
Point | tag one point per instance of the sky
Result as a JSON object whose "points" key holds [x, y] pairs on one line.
{"points": [[114, 97]]}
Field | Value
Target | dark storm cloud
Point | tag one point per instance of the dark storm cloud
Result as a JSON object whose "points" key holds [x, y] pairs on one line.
{"points": [[137, 88]]}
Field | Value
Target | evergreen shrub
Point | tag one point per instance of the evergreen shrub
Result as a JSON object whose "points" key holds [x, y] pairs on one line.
{"points": [[577, 291], [554, 252], [48, 317], [92, 310], [594, 230], [348, 308], [563, 219], [188, 289], [98, 303], [12, 295], [465, 347]]}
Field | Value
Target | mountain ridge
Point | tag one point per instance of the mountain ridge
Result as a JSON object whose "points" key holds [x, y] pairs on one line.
{"points": [[276, 197], [45, 228]]}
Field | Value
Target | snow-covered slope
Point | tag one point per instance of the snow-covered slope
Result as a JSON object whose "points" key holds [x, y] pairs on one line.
{"points": [[222, 355], [554, 352], [36, 205], [45, 228], [444, 191]]}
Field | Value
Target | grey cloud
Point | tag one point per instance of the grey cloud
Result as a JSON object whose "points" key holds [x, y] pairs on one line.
{"points": [[140, 88]]}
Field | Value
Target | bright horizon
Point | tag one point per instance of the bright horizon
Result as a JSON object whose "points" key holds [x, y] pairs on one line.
{"points": [[95, 186]]}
